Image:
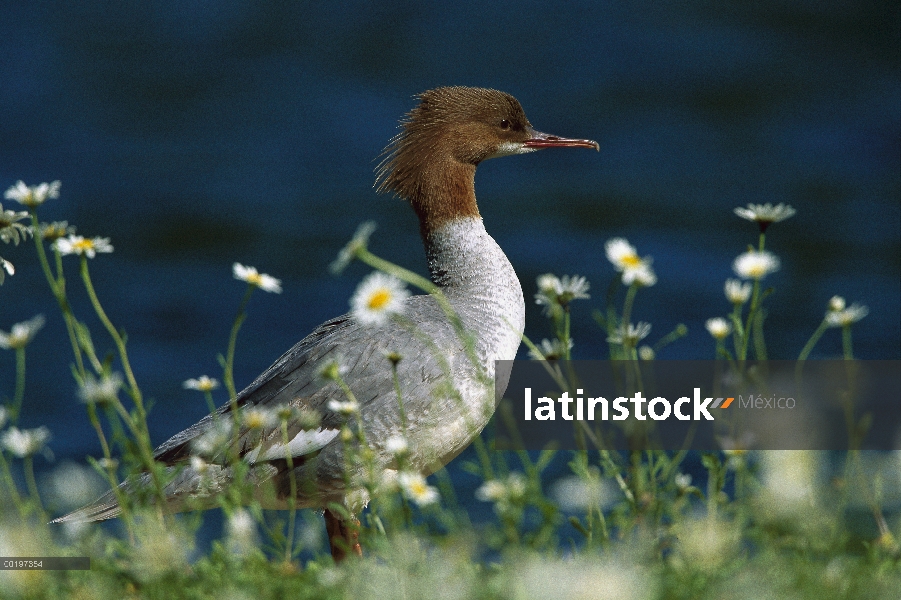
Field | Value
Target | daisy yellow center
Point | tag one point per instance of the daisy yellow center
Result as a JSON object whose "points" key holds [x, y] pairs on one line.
{"points": [[255, 279], [757, 271], [255, 421], [418, 488], [631, 261], [379, 299], [83, 245]]}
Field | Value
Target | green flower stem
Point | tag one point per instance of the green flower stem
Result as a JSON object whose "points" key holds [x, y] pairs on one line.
{"points": [[19, 395], [566, 332], [209, 402], [679, 332], [229, 366], [808, 347], [713, 488], [752, 313], [738, 328], [627, 305], [31, 483], [292, 498], [720, 351], [607, 460], [117, 339], [142, 434], [629, 351], [58, 288], [95, 421], [400, 400], [11, 484], [847, 348], [110, 471], [757, 331]]}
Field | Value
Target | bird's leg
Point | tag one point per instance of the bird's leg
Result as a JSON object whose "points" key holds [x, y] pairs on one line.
{"points": [[343, 535]]}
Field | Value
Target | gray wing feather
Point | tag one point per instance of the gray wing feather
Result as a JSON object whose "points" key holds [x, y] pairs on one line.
{"points": [[427, 352], [295, 377]]}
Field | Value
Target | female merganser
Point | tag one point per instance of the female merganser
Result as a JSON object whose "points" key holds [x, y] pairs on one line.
{"points": [[445, 381]]}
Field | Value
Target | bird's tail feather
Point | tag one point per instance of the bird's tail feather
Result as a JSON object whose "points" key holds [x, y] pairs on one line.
{"points": [[103, 508]]}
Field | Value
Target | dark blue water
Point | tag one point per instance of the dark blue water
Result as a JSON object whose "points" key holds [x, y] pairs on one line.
{"points": [[197, 134]]}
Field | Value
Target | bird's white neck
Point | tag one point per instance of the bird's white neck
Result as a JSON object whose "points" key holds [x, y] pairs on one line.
{"points": [[480, 283]]}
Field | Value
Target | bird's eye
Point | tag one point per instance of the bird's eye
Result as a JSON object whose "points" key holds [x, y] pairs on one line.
{"points": [[505, 124]]}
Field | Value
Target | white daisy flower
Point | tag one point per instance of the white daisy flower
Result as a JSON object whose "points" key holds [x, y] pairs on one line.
{"points": [[10, 229], [755, 264], [574, 287], [267, 283], [575, 493], [642, 275], [343, 407], [58, 229], [108, 464], [199, 465], [718, 327], [549, 283], [631, 334], [415, 488], [259, 418], [103, 391], [34, 195], [21, 334], [551, 349], [307, 419], [397, 445], [682, 480], [765, 214], [26, 442], [562, 291], [513, 487], [76, 244], [622, 254], [737, 292], [491, 491], [214, 440], [201, 384], [549, 288], [377, 298], [846, 316], [242, 532], [625, 259], [8, 267]]}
